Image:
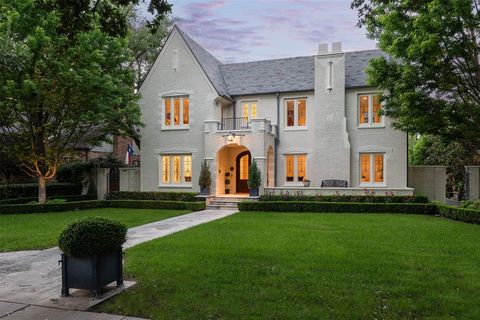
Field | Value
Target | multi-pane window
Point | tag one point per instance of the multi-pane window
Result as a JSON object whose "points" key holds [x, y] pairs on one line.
{"points": [[176, 169], [372, 168], [370, 110], [296, 112], [295, 167], [176, 112], [249, 110]]}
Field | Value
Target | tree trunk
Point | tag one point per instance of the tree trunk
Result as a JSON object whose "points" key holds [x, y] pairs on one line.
{"points": [[42, 190]]}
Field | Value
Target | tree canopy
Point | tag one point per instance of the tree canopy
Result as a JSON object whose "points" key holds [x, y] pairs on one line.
{"points": [[64, 77], [432, 76]]}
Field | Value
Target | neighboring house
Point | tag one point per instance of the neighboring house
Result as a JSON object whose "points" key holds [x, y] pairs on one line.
{"points": [[311, 117]]}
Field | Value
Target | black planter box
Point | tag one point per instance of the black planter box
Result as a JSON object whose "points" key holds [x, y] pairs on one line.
{"points": [[253, 192], [92, 273]]}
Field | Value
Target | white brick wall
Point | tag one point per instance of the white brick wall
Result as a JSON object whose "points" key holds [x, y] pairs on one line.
{"points": [[331, 140]]}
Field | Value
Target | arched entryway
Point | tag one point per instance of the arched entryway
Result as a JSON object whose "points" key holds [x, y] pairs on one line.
{"points": [[233, 162]]}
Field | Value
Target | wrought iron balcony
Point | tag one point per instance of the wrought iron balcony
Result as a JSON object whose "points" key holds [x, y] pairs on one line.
{"points": [[240, 123]]}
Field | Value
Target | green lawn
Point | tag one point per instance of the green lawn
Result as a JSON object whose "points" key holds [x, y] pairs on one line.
{"points": [[41, 230], [307, 266]]}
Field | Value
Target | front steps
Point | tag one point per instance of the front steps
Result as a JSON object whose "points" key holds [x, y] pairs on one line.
{"points": [[225, 203]]}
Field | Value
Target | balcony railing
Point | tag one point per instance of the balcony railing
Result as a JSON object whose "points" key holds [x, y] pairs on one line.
{"points": [[235, 123]]}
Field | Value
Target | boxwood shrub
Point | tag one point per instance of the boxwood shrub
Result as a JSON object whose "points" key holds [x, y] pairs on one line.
{"points": [[84, 205], [347, 198], [92, 236], [460, 214], [30, 190], [154, 195], [340, 207], [91, 196]]}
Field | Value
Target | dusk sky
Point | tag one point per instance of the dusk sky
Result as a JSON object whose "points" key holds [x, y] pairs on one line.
{"points": [[245, 30]]}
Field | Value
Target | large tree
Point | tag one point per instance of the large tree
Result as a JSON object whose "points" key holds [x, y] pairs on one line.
{"points": [[63, 75], [432, 75]]}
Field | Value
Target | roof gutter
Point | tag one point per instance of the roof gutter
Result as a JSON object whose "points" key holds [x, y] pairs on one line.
{"points": [[277, 140]]}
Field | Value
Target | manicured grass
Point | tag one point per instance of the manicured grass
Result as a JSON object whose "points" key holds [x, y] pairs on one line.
{"points": [[41, 230], [307, 266]]}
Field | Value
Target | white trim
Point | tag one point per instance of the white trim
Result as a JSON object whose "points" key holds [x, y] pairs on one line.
{"points": [[370, 124], [295, 127], [372, 182]]}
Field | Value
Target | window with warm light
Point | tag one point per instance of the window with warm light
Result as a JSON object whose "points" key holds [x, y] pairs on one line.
{"points": [[295, 167], [176, 112], [176, 170], [372, 169], [249, 110], [370, 111], [296, 113], [244, 164]]}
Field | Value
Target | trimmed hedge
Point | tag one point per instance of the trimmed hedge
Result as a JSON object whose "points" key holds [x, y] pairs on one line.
{"points": [[92, 236], [460, 214], [30, 190], [83, 205], [346, 198], [91, 196], [154, 195], [337, 207]]}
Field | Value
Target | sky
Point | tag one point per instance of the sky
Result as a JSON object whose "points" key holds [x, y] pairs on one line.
{"points": [[246, 30]]}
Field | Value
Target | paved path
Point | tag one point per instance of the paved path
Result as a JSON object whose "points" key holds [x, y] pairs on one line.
{"points": [[34, 277]]}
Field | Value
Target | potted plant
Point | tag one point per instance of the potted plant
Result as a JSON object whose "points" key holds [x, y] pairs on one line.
{"points": [[254, 179], [227, 183], [306, 182], [92, 254], [205, 179]]}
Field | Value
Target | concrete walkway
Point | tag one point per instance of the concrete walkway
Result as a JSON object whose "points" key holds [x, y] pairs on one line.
{"points": [[33, 278]]}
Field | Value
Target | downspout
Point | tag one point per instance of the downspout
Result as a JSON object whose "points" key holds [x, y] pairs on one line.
{"points": [[277, 140]]}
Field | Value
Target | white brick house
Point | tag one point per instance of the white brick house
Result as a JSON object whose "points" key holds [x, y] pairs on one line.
{"points": [[300, 118]]}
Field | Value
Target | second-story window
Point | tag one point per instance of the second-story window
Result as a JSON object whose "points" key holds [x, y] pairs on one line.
{"points": [[369, 111], [249, 110], [296, 112], [176, 110]]}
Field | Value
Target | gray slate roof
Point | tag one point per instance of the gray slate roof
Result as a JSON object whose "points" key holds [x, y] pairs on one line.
{"points": [[277, 75]]}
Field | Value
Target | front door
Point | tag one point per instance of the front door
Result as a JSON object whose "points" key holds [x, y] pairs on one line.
{"points": [[243, 164]]}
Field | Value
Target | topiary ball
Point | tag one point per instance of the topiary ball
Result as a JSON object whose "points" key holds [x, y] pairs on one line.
{"points": [[92, 236]]}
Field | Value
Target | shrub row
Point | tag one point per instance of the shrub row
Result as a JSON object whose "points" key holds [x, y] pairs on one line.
{"points": [[154, 195], [83, 205], [30, 190], [90, 196], [455, 213], [340, 207], [460, 214], [347, 198]]}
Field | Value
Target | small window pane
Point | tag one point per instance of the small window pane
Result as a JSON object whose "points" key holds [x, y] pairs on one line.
{"points": [[254, 110], [365, 168], [377, 106], [245, 110], [363, 110], [166, 169], [379, 168], [187, 168], [185, 110], [167, 112], [301, 167], [176, 169], [289, 160], [244, 167], [176, 111], [302, 112], [290, 113]]}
